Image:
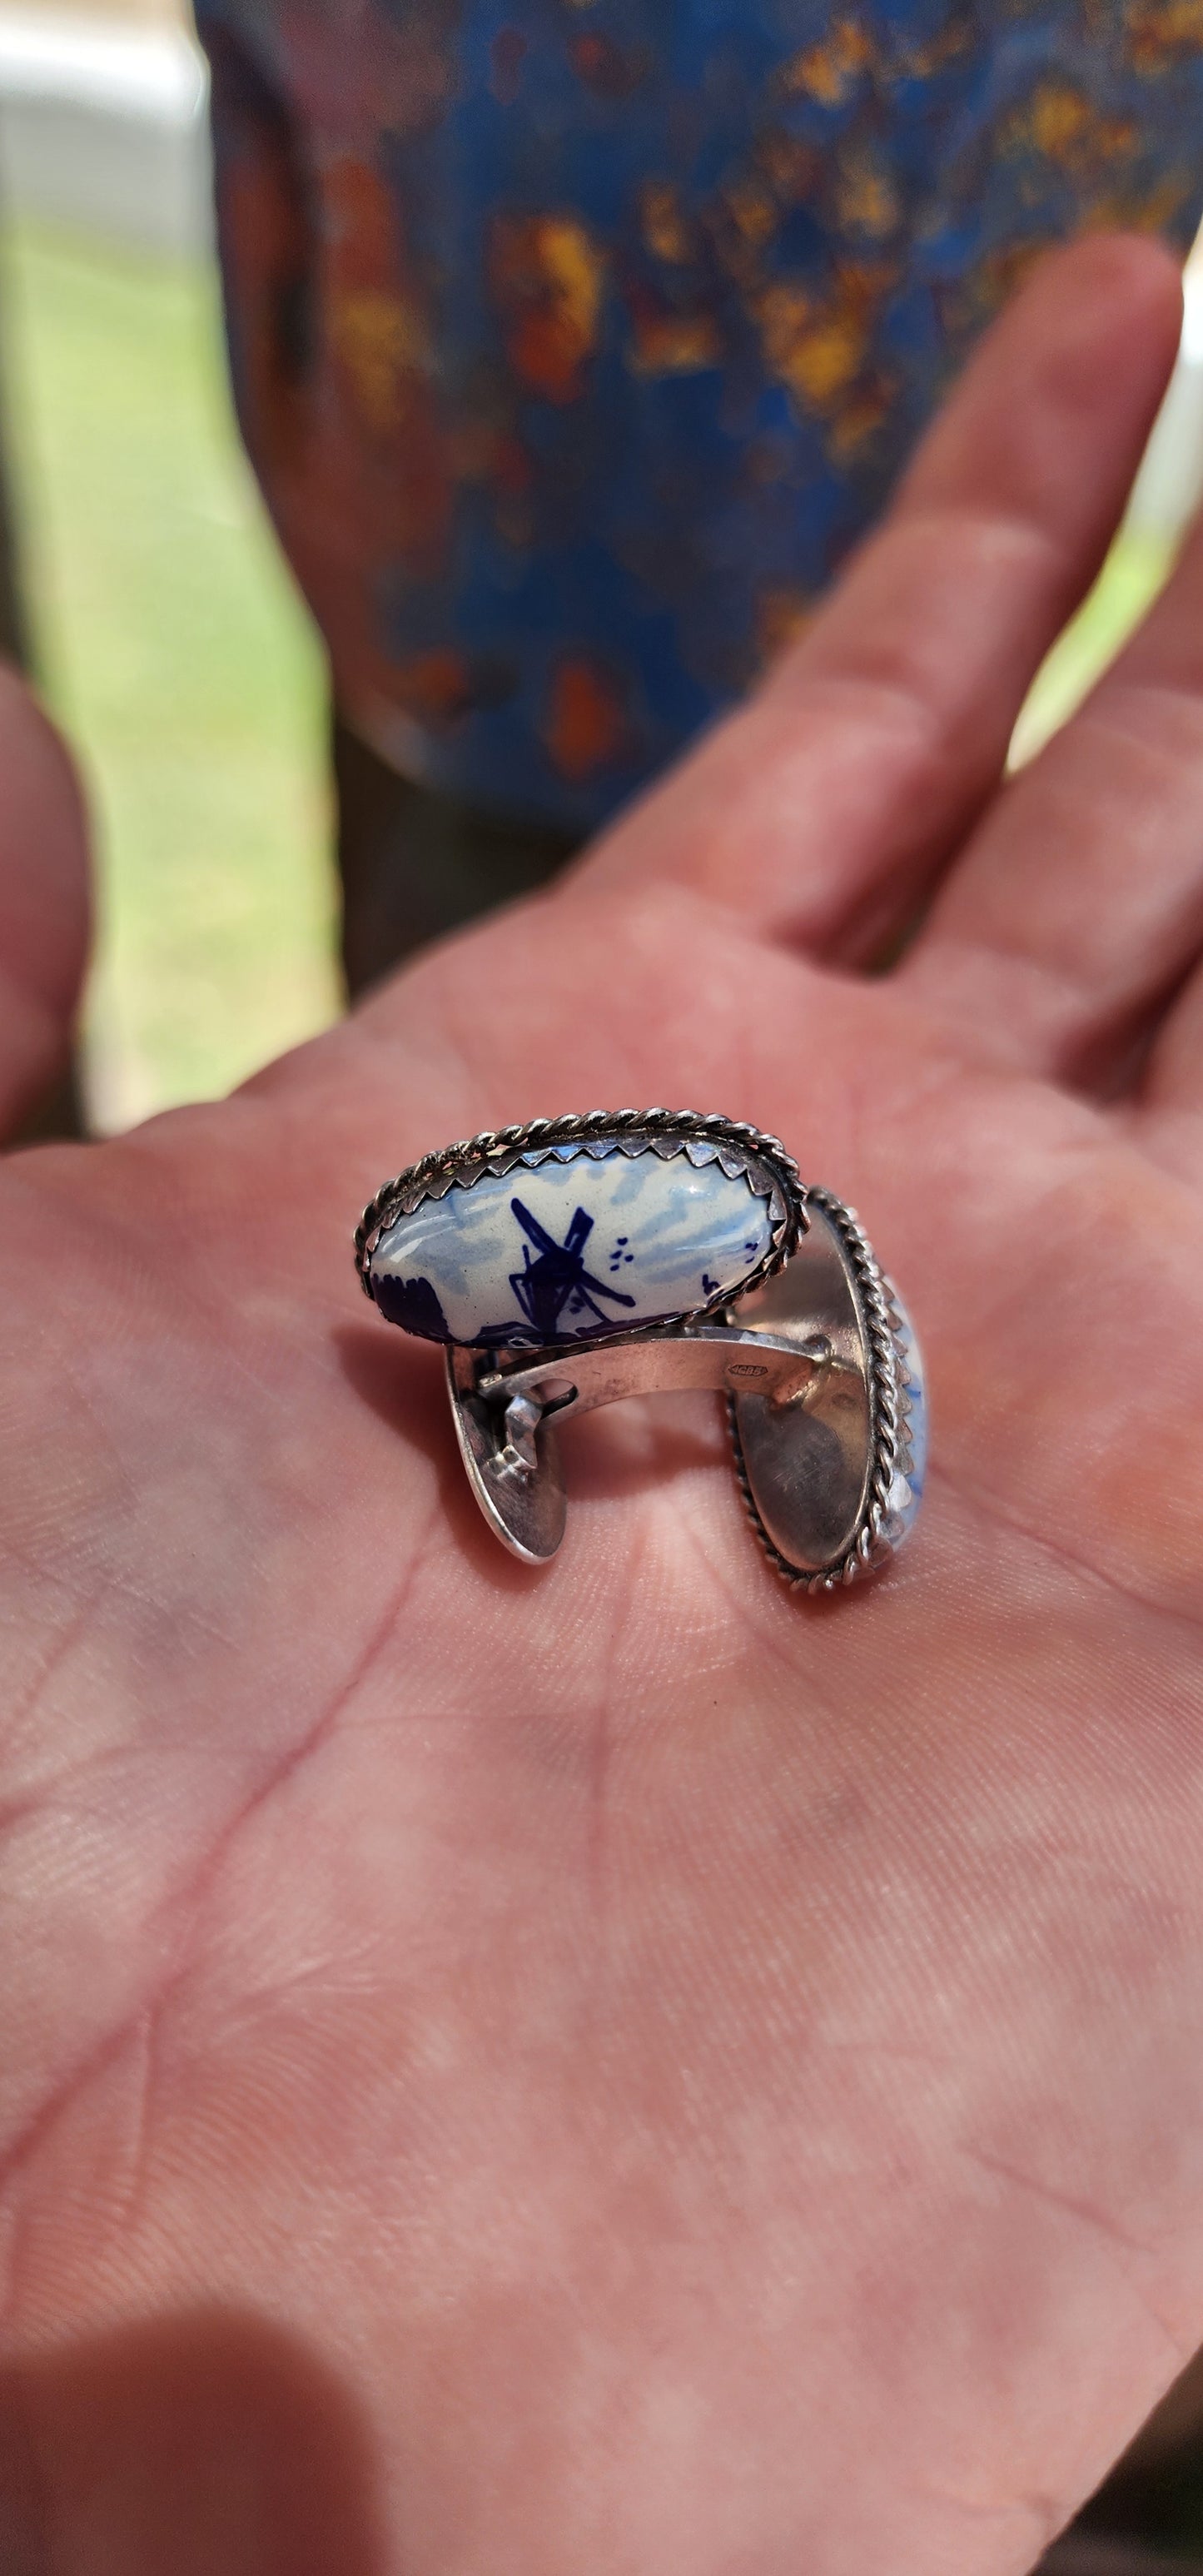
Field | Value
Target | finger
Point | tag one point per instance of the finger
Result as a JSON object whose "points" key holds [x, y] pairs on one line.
{"points": [[1170, 1096], [43, 901], [1140, 930], [823, 808], [1078, 906]]}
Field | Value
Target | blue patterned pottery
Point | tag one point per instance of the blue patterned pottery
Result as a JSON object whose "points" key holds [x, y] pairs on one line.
{"points": [[906, 1490], [557, 1243]]}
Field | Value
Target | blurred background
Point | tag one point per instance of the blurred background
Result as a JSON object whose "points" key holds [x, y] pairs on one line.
{"points": [[141, 584], [146, 588], [147, 593]]}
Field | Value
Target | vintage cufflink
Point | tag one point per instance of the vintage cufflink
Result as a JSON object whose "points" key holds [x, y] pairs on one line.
{"points": [[572, 1261]]}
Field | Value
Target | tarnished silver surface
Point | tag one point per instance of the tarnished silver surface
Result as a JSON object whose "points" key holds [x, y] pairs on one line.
{"points": [[508, 1419], [817, 1485], [721, 1356], [815, 1359], [514, 1468]]}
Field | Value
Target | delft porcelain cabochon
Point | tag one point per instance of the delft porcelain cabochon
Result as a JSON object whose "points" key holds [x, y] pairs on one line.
{"points": [[593, 1235]]}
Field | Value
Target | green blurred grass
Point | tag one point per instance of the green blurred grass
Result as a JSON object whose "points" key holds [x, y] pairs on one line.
{"points": [[1134, 572], [175, 652], [177, 655]]}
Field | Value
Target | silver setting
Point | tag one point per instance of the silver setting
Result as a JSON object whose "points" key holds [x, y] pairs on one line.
{"points": [[507, 1419], [808, 1356], [866, 1544], [666, 1132]]}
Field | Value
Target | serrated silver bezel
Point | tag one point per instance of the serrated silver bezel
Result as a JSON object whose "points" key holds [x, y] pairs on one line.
{"points": [[666, 1132]]}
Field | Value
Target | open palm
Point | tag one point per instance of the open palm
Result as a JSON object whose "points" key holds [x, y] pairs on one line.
{"points": [[625, 2068]]}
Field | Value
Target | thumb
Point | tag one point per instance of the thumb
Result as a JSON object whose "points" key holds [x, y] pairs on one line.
{"points": [[44, 908]]}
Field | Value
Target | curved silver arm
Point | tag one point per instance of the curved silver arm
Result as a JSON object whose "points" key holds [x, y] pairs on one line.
{"points": [[503, 1415]]}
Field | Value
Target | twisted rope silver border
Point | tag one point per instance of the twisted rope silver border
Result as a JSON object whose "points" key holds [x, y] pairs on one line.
{"points": [[869, 1548], [577, 1126]]}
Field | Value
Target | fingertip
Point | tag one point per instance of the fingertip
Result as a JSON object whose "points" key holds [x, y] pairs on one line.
{"points": [[1140, 265], [1059, 397], [1097, 291]]}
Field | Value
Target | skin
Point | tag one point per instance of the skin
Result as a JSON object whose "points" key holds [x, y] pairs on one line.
{"points": [[625, 2068]]}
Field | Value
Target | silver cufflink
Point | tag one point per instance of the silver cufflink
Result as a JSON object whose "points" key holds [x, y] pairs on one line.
{"points": [[573, 1261]]}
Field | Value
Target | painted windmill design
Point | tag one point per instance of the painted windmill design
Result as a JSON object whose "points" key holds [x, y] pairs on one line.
{"points": [[557, 1277]]}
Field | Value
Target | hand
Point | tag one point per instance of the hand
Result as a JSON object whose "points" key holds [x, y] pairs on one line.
{"points": [[626, 2069]]}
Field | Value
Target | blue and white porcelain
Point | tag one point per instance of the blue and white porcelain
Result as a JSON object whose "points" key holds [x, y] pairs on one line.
{"points": [[906, 1489], [589, 1237]]}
